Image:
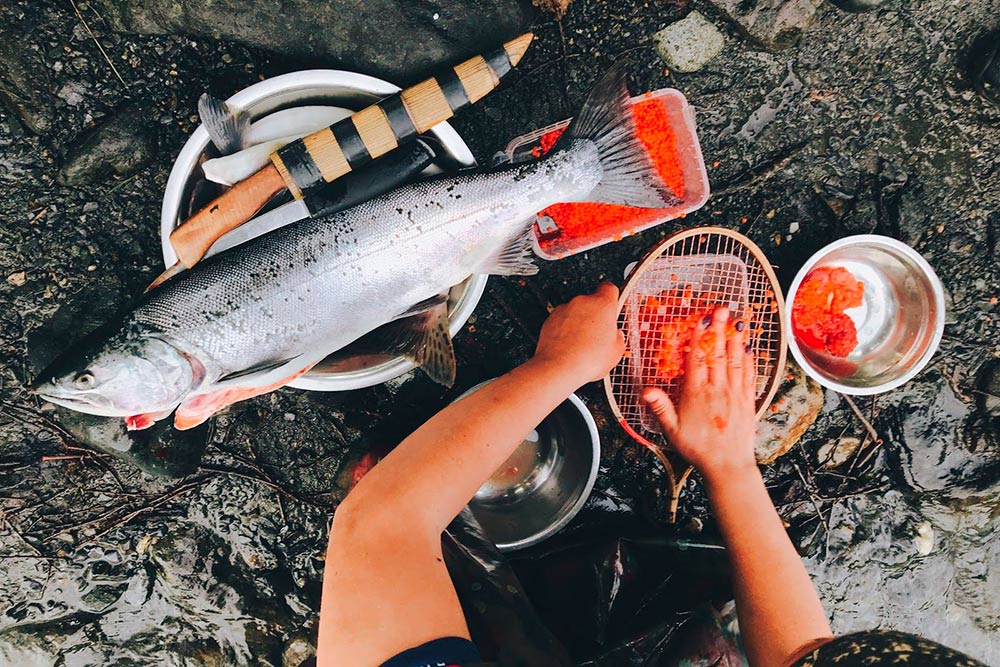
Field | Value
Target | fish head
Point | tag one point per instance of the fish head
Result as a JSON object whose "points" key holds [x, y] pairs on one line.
{"points": [[124, 375]]}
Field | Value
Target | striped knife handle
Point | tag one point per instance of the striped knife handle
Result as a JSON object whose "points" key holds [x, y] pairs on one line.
{"points": [[330, 153]]}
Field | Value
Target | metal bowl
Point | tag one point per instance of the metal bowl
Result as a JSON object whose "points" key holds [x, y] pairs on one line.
{"points": [[335, 88], [545, 482], [899, 324]]}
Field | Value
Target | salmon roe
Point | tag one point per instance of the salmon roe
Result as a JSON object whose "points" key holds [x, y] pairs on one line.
{"points": [[818, 317], [666, 328], [593, 222]]}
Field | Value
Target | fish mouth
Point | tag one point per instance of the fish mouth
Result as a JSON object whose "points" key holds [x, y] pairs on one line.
{"points": [[83, 404]]}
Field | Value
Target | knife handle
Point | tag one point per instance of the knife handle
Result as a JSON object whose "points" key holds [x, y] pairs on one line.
{"points": [[331, 152], [230, 210]]}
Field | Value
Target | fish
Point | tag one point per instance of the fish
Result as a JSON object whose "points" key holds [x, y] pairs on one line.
{"points": [[255, 317]]}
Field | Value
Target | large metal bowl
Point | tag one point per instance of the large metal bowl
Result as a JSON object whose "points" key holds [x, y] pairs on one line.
{"points": [[899, 324], [545, 482], [334, 88]]}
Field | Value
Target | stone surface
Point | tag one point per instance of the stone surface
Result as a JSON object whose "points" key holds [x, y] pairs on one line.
{"points": [[689, 44], [868, 123], [24, 86], [776, 24], [796, 406], [121, 146], [395, 39]]}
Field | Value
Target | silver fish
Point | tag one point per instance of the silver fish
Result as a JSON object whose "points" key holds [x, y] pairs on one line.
{"points": [[253, 318]]}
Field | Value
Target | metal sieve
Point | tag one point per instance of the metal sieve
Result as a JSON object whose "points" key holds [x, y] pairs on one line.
{"points": [[682, 279]]}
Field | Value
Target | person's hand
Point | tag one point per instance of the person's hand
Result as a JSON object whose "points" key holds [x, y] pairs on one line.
{"points": [[713, 427], [583, 336]]}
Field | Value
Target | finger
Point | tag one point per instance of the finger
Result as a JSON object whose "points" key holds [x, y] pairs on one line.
{"points": [[737, 357], [750, 374], [661, 406], [607, 290], [717, 358], [696, 373]]}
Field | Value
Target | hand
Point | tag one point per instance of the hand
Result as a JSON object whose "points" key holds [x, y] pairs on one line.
{"points": [[713, 427], [583, 335]]}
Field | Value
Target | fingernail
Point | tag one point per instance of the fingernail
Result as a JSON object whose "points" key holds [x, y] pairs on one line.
{"points": [[740, 326], [748, 348], [706, 322]]}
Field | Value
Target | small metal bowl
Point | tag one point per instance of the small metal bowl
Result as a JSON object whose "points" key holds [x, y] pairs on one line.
{"points": [[545, 482], [335, 88], [899, 324]]}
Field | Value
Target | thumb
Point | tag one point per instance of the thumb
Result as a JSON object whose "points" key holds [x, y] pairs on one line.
{"points": [[661, 405]]}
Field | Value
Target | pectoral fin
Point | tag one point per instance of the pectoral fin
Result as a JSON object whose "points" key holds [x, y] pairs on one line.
{"points": [[197, 409], [423, 338], [514, 259]]}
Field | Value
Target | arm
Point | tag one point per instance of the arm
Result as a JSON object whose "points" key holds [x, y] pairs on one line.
{"points": [[780, 615], [385, 586]]}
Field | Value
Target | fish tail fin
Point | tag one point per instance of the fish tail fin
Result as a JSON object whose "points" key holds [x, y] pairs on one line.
{"points": [[227, 126], [629, 175]]}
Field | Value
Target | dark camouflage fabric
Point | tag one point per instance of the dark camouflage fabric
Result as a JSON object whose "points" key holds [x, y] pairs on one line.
{"points": [[878, 648]]}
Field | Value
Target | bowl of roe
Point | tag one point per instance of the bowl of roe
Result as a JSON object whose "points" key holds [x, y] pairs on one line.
{"points": [[665, 124], [866, 314]]}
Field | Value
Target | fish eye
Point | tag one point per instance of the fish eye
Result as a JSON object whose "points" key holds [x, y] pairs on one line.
{"points": [[85, 380]]}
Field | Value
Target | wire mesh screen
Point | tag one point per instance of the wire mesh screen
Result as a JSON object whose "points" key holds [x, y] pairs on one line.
{"points": [[670, 293]]}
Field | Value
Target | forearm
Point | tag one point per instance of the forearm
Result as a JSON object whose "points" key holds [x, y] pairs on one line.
{"points": [[433, 473], [780, 614]]}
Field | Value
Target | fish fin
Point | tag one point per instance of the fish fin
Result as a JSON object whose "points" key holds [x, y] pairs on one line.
{"points": [[514, 259], [265, 367], [423, 338], [144, 421], [630, 177], [227, 126], [198, 408], [423, 306]]}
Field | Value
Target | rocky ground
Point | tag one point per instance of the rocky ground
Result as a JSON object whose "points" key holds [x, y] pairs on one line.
{"points": [[814, 125]]}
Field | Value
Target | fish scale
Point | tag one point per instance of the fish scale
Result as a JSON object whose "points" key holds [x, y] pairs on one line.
{"points": [[313, 287]]}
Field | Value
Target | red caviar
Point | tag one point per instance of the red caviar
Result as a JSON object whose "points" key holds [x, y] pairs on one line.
{"points": [[818, 316], [667, 324], [592, 222]]}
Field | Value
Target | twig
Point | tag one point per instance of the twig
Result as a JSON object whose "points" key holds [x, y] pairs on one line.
{"points": [[94, 37], [864, 420], [761, 173]]}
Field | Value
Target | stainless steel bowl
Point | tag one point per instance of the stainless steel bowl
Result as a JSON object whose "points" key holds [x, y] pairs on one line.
{"points": [[899, 324], [335, 88], [545, 482]]}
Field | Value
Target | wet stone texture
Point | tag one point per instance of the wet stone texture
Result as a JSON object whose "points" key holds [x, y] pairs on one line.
{"points": [[866, 123]]}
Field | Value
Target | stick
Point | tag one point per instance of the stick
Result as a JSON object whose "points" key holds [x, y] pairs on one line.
{"points": [[94, 37]]}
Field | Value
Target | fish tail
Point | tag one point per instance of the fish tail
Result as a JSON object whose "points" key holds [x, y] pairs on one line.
{"points": [[629, 174], [227, 126]]}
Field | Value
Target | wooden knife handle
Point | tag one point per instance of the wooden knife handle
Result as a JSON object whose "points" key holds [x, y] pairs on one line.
{"points": [[230, 210]]}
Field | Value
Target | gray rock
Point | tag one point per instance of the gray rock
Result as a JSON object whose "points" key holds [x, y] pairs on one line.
{"points": [[397, 39], [776, 24], [24, 88], [689, 44], [123, 145], [796, 406]]}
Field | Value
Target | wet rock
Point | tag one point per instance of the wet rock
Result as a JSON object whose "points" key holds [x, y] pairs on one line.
{"points": [[121, 146], [397, 39], [689, 44], [23, 84], [797, 404], [296, 652], [857, 6], [776, 24], [988, 386], [837, 452], [984, 65]]}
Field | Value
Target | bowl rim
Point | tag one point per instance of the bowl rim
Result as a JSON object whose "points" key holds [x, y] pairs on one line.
{"points": [[285, 84], [595, 466], [885, 242]]}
